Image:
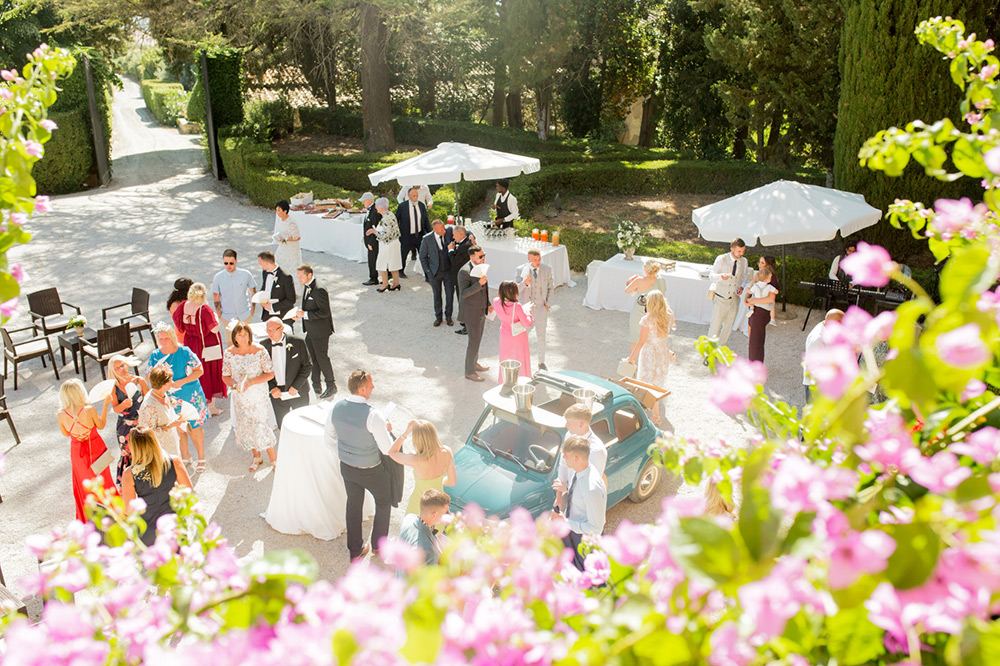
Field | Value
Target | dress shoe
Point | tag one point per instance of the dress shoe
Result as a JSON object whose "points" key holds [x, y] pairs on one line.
{"points": [[449, 321], [328, 393], [403, 275], [364, 551], [462, 331], [482, 368], [396, 288], [383, 289], [437, 322], [370, 283], [475, 378]]}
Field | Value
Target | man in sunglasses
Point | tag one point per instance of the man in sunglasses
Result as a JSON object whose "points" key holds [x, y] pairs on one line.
{"points": [[232, 289]]}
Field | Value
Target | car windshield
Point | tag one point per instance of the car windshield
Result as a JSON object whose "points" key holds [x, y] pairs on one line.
{"points": [[524, 443]]}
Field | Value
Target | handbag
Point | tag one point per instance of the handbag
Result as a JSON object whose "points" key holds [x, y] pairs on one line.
{"points": [[103, 461], [517, 328], [626, 369], [213, 353]]}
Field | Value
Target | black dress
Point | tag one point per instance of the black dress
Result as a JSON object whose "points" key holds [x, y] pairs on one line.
{"points": [[126, 421], [758, 328], [157, 498]]}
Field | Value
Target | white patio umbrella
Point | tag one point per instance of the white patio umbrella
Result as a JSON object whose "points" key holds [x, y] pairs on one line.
{"points": [[785, 212], [450, 162]]}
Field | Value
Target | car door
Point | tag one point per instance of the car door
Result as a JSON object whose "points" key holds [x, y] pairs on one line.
{"points": [[627, 453]]}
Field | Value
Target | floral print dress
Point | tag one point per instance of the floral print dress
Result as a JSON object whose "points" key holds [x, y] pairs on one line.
{"points": [[126, 421], [251, 405]]}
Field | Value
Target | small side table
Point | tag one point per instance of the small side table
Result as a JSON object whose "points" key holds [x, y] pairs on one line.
{"points": [[71, 341]]}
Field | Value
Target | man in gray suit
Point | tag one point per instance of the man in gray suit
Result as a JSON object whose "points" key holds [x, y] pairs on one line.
{"points": [[436, 262], [474, 304], [536, 288]]}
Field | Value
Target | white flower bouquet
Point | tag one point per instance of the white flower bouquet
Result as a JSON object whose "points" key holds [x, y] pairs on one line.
{"points": [[629, 235]]}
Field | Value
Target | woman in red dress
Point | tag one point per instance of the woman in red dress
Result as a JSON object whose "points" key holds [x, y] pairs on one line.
{"points": [[80, 422], [201, 332]]}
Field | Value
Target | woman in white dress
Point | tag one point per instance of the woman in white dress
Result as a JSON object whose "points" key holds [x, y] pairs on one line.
{"points": [[652, 353], [246, 369], [288, 254], [389, 258], [159, 410]]}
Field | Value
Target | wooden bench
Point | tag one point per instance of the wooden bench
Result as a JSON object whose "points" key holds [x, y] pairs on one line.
{"points": [[9, 603]]}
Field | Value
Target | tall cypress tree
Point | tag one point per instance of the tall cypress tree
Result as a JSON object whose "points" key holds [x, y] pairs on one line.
{"points": [[888, 79]]}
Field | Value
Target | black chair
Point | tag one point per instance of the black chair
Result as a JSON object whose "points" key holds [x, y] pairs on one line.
{"points": [[138, 316], [5, 415], [46, 310], [110, 341], [821, 296], [38, 346]]}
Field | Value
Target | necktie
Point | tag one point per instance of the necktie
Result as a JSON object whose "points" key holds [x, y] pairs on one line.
{"points": [[440, 245], [734, 266], [569, 495], [414, 219], [534, 274]]}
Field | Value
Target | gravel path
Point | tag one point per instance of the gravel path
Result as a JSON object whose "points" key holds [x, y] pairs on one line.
{"points": [[163, 217]]}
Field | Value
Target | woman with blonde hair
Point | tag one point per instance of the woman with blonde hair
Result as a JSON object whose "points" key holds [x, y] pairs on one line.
{"points": [[652, 353], [126, 399], [202, 335], [151, 477], [80, 421], [642, 286], [433, 463]]}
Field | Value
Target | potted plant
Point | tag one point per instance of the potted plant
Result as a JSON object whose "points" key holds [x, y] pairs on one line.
{"points": [[78, 321], [629, 237]]}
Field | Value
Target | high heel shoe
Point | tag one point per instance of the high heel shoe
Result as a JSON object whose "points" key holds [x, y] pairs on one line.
{"points": [[383, 289], [396, 288]]}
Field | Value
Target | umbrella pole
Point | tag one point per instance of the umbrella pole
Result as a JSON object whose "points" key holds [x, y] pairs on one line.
{"points": [[784, 314], [458, 210]]}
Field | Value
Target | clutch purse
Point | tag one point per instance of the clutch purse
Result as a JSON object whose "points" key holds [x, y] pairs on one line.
{"points": [[626, 369], [517, 328], [213, 353], [102, 463]]}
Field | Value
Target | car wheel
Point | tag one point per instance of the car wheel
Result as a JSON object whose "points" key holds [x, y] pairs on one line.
{"points": [[645, 485]]}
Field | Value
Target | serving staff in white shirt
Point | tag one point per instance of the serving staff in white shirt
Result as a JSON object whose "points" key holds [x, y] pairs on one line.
{"points": [[505, 204]]}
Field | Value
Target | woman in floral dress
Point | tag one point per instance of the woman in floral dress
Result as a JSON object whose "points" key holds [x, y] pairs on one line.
{"points": [[652, 353], [187, 371], [246, 369], [126, 399], [159, 411]]}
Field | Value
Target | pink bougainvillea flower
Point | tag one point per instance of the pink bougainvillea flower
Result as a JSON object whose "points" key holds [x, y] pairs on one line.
{"points": [[8, 74], [34, 149], [992, 159], [983, 445], [18, 273], [49, 124], [727, 648], [596, 568], [800, 485], [939, 474], [6, 94], [869, 266], [973, 389], [988, 72], [18, 218], [834, 368], [628, 546], [888, 440], [400, 555], [858, 553], [963, 347], [8, 308], [736, 385], [953, 215], [42, 204]]}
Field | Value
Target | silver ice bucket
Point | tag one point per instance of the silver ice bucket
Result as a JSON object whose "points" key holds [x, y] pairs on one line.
{"points": [[585, 396], [522, 396], [510, 371]]}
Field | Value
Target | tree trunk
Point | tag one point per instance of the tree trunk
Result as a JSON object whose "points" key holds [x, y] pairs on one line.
{"points": [[543, 110], [375, 108], [515, 114], [647, 128], [315, 51], [499, 86], [740, 143]]}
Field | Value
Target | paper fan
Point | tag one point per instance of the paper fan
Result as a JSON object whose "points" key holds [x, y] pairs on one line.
{"points": [[101, 391], [260, 297], [479, 270], [290, 314], [188, 412]]}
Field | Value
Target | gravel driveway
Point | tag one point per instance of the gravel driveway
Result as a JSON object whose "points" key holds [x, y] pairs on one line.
{"points": [[163, 217]]}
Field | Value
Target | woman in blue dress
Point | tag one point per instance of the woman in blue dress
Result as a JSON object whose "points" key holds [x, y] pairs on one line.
{"points": [[187, 370]]}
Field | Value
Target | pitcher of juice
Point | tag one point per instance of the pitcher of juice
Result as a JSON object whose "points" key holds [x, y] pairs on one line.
{"points": [[545, 235], [534, 234]]}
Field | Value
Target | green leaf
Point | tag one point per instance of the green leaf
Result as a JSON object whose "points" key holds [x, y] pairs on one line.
{"points": [[852, 639], [975, 646], [969, 273], [759, 521], [423, 631], [693, 471], [801, 529], [916, 555], [968, 159], [344, 647], [704, 549], [291, 565], [973, 488], [663, 648]]}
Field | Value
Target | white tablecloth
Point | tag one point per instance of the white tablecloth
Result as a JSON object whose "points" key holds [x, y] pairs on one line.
{"points": [[505, 256], [308, 495], [687, 290], [341, 236]]}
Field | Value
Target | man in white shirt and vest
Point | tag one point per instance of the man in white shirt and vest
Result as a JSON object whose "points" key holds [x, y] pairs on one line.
{"points": [[729, 274], [361, 435], [505, 204], [536, 288], [586, 496]]}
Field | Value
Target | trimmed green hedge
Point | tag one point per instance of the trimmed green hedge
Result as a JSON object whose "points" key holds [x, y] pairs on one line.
{"points": [[253, 168], [225, 83], [69, 154], [166, 101]]}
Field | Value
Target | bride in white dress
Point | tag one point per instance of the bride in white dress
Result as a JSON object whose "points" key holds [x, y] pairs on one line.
{"points": [[288, 254], [652, 353]]}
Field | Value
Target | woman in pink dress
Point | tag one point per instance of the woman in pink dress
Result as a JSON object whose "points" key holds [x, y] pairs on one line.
{"points": [[201, 331], [509, 311]]}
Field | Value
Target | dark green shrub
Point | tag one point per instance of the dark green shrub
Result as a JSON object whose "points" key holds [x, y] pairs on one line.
{"points": [[195, 111], [166, 101], [69, 154], [225, 83], [268, 121]]}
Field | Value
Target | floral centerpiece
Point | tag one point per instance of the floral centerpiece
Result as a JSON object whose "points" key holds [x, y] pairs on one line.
{"points": [[77, 321], [629, 237]]}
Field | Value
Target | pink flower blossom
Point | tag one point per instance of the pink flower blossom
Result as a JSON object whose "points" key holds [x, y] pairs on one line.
{"points": [[8, 308], [596, 568], [963, 347], [992, 159], [885, 611], [400, 555], [49, 124], [858, 328], [858, 553], [983, 445], [939, 474], [42, 204], [18, 273], [736, 386], [8, 74], [973, 118], [6, 94], [65, 636], [988, 72], [973, 389], [869, 266], [834, 368], [34, 149], [801, 485], [954, 215], [18, 218], [628, 546], [888, 440], [727, 648]]}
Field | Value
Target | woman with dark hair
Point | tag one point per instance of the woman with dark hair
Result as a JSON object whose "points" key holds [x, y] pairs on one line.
{"points": [[176, 299], [514, 323], [770, 263], [151, 476], [246, 369]]}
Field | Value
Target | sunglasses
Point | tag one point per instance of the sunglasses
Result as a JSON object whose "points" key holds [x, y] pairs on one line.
{"points": [[229, 263], [364, 374]]}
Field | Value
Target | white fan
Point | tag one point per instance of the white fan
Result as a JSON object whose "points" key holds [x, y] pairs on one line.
{"points": [[101, 391], [188, 412]]}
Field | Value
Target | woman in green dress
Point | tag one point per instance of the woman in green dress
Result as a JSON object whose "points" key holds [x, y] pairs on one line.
{"points": [[433, 463]]}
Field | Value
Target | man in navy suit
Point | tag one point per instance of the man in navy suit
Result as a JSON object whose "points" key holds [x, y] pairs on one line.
{"points": [[436, 262], [413, 224]]}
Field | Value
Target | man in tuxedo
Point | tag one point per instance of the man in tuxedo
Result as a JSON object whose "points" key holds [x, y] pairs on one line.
{"points": [[536, 288], [437, 268], [372, 218], [413, 224], [278, 284], [290, 359], [473, 307], [458, 251], [317, 322], [729, 274]]}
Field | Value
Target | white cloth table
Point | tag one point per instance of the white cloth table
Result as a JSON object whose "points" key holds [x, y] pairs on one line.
{"points": [[342, 236], [687, 290], [308, 495], [504, 256]]}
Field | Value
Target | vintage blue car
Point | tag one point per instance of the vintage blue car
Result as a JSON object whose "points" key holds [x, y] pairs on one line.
{"points": [[511, 458]]}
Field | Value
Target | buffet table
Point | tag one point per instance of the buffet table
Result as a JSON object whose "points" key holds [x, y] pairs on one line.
{"points": [[342, 236], [504, 256], [308, 495], [687, 289]]}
